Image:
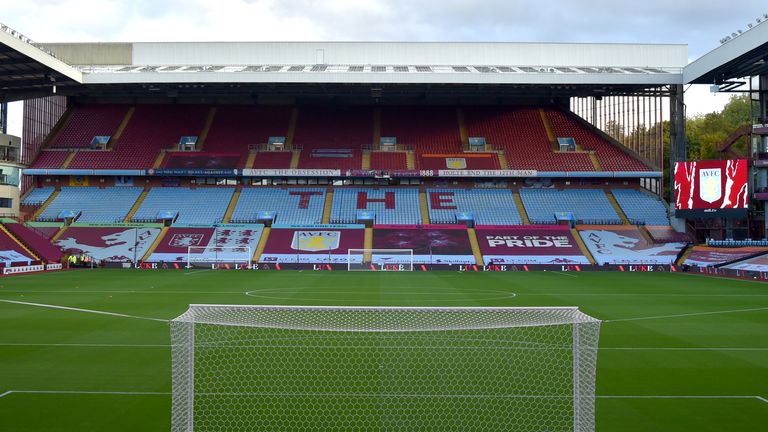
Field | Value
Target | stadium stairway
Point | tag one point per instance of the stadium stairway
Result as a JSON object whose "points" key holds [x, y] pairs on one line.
{"points": [[475, 246], [368, 244], [262, 244], [19, 242], [155, 243], [136, 206], [366, 160], [550, 130], [121, 128], [503, 164], [328, 207], [582, 246], [521, 208], [619, 210], [232, 205], [295, 157], [410, 160], [206, 128], [59, 233], [48, 202], [57, 128], [159, 159], [684, 254], [646, 235], [424, 206], [463, 135], [69, 159], [595, 161], [251, 158]]}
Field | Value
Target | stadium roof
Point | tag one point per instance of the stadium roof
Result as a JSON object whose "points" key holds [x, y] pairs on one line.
{"points": [[744, 55], [27, 71], [338, 68]]}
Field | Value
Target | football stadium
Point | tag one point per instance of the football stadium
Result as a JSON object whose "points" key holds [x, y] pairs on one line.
{"points": [[380, 236]]}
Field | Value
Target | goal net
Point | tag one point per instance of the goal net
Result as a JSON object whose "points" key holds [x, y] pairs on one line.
{"points": [[213, 256], [380, 260], [289, 368]]}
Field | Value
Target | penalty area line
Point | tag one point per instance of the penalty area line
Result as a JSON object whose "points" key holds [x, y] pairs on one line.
{"points": [[687, 315], [92, 311]]}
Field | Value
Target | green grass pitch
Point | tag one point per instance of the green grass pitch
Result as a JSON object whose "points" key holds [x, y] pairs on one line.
{"points": [[677, 352]]}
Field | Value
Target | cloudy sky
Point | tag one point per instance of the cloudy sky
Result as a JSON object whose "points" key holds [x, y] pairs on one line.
{"points": [[698, 23]]}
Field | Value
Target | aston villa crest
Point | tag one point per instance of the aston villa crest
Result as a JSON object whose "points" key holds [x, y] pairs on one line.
{"points": [[456, 163], [710, 184], [184, 240], [315, 241]]}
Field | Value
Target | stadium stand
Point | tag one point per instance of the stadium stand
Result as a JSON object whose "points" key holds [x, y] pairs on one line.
{"points": [[88, 121], [611, 158], [194, 206], [36, 242], [273, 159], [236, 127], [113, 244], [292, 206], [523, 137], [490, 206], [641, 207], [423, 129], [391, 206], [332, 137], [37, 196], [11, 252], [151, 129], [383, 160], [665, 233], [441, 161], [626, 244], [50, 159], [96, 205], [590, 206]]}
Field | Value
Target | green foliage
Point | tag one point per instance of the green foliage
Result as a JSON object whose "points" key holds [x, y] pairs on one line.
{"points": [[705, 132]]}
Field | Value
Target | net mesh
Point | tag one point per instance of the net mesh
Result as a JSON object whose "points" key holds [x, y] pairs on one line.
{"points": [[273, 368]]}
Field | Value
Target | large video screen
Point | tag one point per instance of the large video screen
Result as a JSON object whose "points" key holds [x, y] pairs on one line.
{"points": [[711, 188]]}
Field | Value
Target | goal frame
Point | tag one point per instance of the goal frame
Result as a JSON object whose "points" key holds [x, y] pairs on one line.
{"points": [[215, 261], [368, 264], [584, 337]]}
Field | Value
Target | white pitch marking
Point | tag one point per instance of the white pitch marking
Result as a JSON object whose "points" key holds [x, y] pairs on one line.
{"points": [[84, 345], [5, 394], [82, 310], [687, 315], [762, 399], [563, 274], [678, 397], [194, 272], [94, 392]]}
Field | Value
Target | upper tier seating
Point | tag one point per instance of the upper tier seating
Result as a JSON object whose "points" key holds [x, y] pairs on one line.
{"points": [[424, 129], [641, 207], [273, 159], [336, 128], [151, 128], [50, 159], [298, 206], [38, 196], [36, 242], [89, 121], [236, 127], [590, 206], [522, 135], [391, 206], [195, 206], [490, 206], [611, 158], [96, 205], [384, 160]]}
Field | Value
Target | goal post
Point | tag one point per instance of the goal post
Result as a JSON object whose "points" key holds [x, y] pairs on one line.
{"points": [[286, 368], [211, 256], [380, 260]]}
